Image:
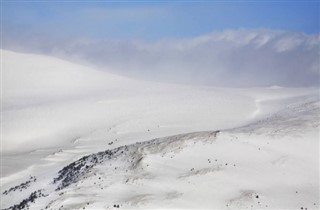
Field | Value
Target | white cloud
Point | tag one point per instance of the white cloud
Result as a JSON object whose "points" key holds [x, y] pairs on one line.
{"points": [[226, 58]]}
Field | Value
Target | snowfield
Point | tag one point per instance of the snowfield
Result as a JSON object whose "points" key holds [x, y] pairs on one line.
{"points": [[77, 138]]}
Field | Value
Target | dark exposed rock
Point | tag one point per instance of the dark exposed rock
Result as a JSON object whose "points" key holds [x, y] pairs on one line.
{"points": [[74, 171], [26, 202], [22, 186]]}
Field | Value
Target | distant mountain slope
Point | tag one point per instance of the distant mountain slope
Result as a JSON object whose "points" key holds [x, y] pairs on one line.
{"points": [[34, 76], [48, 101]]}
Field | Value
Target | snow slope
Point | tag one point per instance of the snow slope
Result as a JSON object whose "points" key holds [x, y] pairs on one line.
{"points": [[74, 138], [48, 101]]}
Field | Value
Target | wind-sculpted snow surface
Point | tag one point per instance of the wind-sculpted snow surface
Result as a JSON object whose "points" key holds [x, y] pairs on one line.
{"points": [[250, 167], [298, 117], [128, 158], [86, 144], [73, 172]]}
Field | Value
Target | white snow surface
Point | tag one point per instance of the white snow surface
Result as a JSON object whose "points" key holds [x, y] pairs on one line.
{"points": [[146, 145]]}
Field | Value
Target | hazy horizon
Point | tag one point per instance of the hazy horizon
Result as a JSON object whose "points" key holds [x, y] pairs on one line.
{"points": [[228, 44]]}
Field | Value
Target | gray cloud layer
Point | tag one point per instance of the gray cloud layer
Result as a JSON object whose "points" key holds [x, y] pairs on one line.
{"points": [[230, 58]]}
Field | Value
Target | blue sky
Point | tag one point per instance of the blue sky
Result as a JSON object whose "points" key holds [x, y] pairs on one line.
{"points": [[152, 20]]}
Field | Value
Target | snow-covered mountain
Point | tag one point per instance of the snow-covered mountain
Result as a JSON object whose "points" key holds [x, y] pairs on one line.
{"points": [[77, 138]]}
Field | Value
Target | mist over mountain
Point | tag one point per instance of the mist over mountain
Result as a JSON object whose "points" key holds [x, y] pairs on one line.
{"points": [[231, 58]]}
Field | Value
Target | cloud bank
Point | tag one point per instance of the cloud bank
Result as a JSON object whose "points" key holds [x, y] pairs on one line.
{"points": [[231, 58]]}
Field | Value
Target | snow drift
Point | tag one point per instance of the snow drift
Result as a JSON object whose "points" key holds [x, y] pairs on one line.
{"points": [[77, 138]]}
